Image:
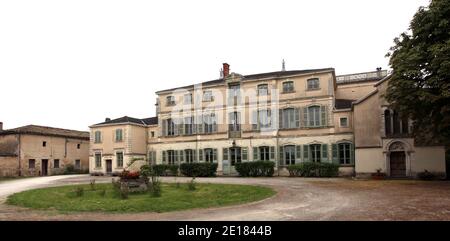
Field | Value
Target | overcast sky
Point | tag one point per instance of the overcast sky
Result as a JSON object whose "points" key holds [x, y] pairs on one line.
{"points": [[70, 64]]}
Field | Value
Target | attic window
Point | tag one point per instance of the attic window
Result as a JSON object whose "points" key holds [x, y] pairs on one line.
{"points": [[44, 143], [78, 146]]}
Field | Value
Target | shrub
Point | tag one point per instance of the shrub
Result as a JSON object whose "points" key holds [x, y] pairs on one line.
{"points": [[165, 170], [70, 169], [205, 169], [155, 186], [426, 175], [192, 185], [124, 191], [314, 169], [255, 169]]}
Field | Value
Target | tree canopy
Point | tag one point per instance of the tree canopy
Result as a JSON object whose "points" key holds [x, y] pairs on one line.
{"points": [[419, 86]]}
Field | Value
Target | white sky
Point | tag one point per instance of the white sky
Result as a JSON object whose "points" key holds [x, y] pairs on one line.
{"points": [[70, 64]]}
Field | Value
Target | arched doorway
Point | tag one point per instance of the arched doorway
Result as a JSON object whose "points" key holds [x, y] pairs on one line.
{"points": [[397, 160]]}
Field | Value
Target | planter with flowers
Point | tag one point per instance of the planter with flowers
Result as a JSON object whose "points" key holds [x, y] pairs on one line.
{"points": [[134, 181]]}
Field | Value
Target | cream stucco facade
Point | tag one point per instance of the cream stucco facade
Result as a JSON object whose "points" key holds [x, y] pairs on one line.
{"points": [[287, 117]]}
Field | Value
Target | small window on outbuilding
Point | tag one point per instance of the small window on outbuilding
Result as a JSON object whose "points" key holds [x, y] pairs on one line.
{"points": [[343, 122], [31, 163], [44, 143], [78, 146], [56, 163]]}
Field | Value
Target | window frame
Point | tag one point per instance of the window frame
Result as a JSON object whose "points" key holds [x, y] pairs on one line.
{"points": [[347, 160], [117, 135], [98, 162], [31, 161], [207, 96], [170, 100], [316, 152], [259, 88], [288, 118], [346, 121], [121, 159], [56, 161], [316, 122], [185, 100], [97, 137], [291, 84], [315, 86]]}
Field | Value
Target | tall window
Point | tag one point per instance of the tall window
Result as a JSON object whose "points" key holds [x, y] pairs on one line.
{"points": [[234, 90], [188, 125], [235, 120], [288, 118], [187, 99], [208, 96], [344, 153], [152, 157], [97, 137], [119, 157], [288, 86], [170, 100], [170, 127], [78, 164], [314, 116], [289, 155], [235, 155], [315, 152], [209, 155], [98, 160], [119, 135], [189, 155], [171, 157], [31, 163], [263, 89], [264, 153], [209, 122], [387, 122], [56, 163], [264, 120], [313, 84], [394, 123]]}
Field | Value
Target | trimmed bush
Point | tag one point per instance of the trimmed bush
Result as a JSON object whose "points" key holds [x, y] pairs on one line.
{"points": [[255, 169], [165, 170], [204, 169], [426, 175], [313, 169]]}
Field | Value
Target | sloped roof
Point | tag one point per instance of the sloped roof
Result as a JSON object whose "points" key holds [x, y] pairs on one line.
{"points": [[47, 131], [277, 74], [127, 119]]}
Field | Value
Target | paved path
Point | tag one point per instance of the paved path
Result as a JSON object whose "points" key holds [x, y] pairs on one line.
{"points": [[296, 199]]}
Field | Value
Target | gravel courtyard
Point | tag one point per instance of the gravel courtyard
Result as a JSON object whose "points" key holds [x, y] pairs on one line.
{"points": [[297, 199]]}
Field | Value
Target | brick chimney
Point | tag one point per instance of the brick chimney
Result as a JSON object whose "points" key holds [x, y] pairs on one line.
{"points": [[1, 126], [226, 70]]}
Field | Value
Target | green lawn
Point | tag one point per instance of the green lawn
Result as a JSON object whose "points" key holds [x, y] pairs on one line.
{"points": [[173, 198]]}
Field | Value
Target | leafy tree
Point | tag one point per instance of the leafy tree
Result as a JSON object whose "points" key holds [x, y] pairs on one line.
{"points": [[419, 86]]}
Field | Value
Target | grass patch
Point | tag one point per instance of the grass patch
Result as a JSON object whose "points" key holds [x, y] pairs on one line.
{"points": [[105, 199]]}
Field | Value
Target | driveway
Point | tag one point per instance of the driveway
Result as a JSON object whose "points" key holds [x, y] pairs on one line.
{"points": [[297, 199]]}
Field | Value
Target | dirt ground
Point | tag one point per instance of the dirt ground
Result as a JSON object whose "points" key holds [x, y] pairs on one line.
{"points": [[296, 199]]}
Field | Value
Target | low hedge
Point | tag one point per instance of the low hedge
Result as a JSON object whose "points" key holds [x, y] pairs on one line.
{"points": [[255, 169], [165, 170], [205, 169], [313, 169]]}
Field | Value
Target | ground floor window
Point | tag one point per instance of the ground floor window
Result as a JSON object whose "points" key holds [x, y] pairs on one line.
{"points": [[171, 157], [189, 155], [98, 160], [235, 155], [56, 163], [77, 164], [315, 152], [210, 155], [264, 153], [119, 158], [31, 164], [344, 153], [289, 155], [152, 157]]}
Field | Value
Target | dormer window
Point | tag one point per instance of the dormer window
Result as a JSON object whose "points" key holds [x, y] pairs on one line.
{"points": [[288, 86], [170, 100], [313, 84]]}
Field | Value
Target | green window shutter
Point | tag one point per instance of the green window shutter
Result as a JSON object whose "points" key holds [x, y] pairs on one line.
{"points": [[335, 157], [324, 153], [298, 155], [297, 117], [272, 153], [214, 155], [164, 156], [305, 153], [352, 154], [280, 119], [281, 155], [244, 153], [200, 155], [255, 153], [225, 154], [305, 117], [255, 120]]}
